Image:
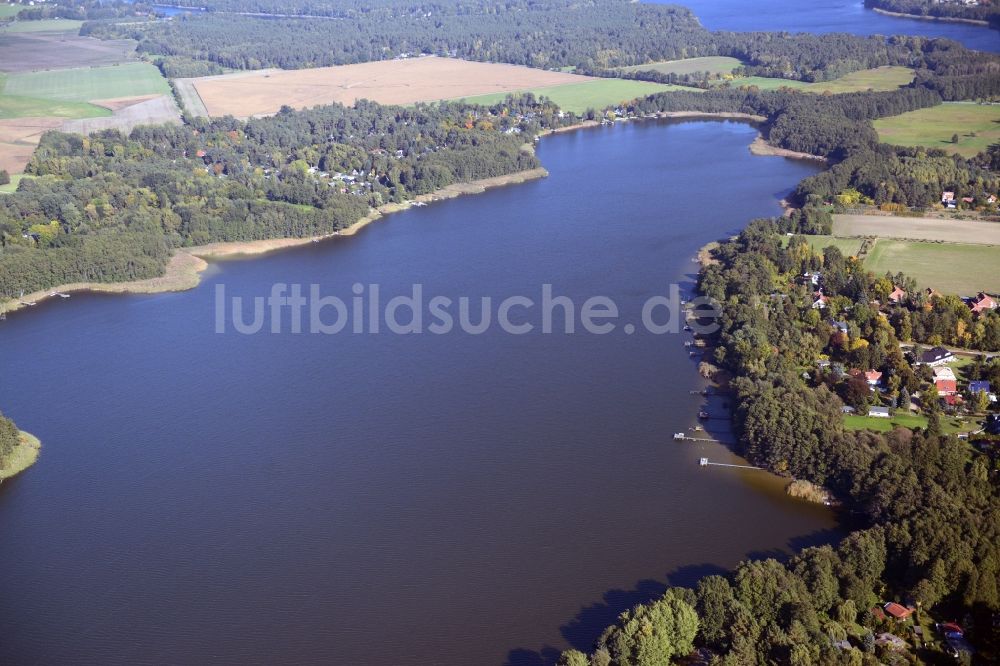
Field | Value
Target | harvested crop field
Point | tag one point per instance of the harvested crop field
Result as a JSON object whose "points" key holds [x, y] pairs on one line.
{"points": [[143, 110], [18, 138], [918, 228], [26, 52], [389, 82]]}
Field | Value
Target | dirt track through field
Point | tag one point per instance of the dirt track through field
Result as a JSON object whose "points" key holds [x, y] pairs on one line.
{"points": [[389, 82], [918, 228]]}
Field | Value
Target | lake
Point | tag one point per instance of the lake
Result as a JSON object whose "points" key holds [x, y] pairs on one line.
{"points": [[389, 499], [821, 16]]}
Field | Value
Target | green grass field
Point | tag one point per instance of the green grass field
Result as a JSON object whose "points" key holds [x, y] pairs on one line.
{"points": [[880, 78], [849, 246], [10, 187], [84, 85], [860, 422], [578, 97], [9, 10], [45, 25], [713, 64], [935, 126], [27, 107], [948, 267], [765, 83]]}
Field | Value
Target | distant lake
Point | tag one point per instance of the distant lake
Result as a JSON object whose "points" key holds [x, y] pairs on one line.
{"points": [[385, 499], [172, 10], [831, 16]]}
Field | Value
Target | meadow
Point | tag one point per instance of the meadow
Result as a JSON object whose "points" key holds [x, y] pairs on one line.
{"points": [[88, 84], [578, 97], [880, 78], [911, 421], [948, 267], [712, 64], [44, 25], [977, 126]]}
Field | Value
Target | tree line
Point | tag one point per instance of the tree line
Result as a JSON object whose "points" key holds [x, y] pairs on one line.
{"points": [[930, 504], [111, 206]]}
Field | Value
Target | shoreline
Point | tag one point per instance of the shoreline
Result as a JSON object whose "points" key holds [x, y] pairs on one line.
{"points": [[24, 455], [184, 268], [942, 19], [762, 148]]}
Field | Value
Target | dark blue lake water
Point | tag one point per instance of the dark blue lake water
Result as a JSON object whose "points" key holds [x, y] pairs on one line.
{"points": [[385, 499]]}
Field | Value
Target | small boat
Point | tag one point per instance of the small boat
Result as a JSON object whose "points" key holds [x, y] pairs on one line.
{"points": [[703, 462], [703, 414], [62, 295], [687, 328], [698, 429], [678, 435], [688, 343]]}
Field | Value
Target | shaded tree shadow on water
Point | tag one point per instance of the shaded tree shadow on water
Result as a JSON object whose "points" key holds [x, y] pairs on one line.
{"points": [[584, 629]]}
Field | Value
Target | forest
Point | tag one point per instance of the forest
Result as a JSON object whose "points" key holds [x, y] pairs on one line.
{"points": [[9, 438], [931, 509], [592, 37]]}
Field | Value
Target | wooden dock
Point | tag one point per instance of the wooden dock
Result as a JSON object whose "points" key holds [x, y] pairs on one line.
{"points": [[704, 462]]}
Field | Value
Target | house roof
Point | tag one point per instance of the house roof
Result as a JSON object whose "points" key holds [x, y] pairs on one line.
{"points": [[897, 295], [982, 302], [878, 410], [873, 375], [944, 373], [897, 611], [934, 354]]}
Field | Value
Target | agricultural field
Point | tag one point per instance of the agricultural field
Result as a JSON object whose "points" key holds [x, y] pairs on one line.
{"points": [[977, 126], [89, 84], [712, 64], [44, 25], [389, 82], [77, 100], [918, 228], [948, 267], [594, 94], [766, 83], [29, 51], [880, 78]]}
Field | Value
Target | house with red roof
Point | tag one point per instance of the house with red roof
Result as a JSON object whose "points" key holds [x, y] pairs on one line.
{"points": [[897, 611], [873, 377], [945, 381], [983, 302], [897, 295]]}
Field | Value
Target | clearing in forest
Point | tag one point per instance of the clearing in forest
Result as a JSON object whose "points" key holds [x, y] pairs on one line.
{"points": [[977, 126]]}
